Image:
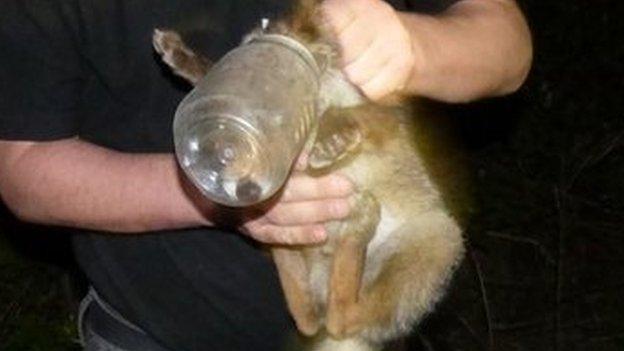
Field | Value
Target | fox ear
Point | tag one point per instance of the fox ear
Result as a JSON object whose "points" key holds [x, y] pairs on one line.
{"points": [[182, 60]]}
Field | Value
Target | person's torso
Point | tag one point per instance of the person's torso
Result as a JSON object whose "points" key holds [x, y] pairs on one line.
{"points": [[186, 287]]}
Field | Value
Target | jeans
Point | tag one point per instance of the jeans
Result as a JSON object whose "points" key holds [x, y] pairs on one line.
{"points": [[101, 328]]}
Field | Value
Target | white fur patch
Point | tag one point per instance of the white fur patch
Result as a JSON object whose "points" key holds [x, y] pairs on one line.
{"points": [[381, 246], [387, 225]]}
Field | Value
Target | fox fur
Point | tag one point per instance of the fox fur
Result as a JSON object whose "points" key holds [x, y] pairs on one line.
{"points": [[385, 266]]}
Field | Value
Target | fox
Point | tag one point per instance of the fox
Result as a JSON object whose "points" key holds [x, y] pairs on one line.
{"points": [[386, 265]]}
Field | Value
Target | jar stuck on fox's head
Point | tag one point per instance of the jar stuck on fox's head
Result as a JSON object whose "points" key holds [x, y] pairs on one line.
{"points": [[238, 133]]}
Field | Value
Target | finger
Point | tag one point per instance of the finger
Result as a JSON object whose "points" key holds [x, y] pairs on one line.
{"points": [[305, 188], [391, 78], [354, 41], [308, 212], [337, 15], [369, 64], [294, 235]]}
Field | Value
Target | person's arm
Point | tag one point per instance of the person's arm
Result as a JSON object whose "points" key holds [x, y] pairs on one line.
{"points": [[77, 184], [473, 49]]}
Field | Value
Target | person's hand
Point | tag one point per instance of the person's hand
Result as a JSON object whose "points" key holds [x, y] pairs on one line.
{"points": [[376, 48], [298, 216]]}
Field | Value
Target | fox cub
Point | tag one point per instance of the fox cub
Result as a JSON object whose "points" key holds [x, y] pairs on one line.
{"points": [[383, 268]]}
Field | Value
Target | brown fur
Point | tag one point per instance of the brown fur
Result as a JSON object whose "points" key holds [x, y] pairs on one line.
{"points": [[386, 265]]}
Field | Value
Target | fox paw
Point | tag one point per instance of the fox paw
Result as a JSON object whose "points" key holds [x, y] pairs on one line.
{"points": [[338, 136]]}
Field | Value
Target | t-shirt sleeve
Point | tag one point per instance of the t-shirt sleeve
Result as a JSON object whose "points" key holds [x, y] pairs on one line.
{"points": [[41, 72]]}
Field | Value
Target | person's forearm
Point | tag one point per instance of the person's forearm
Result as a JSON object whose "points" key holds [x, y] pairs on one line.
{"points": [[77, 184], [477, 48]]}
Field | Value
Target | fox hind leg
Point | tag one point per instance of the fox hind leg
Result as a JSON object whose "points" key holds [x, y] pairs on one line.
{"points": [[347, 270], [293, 274], [411, 281]]}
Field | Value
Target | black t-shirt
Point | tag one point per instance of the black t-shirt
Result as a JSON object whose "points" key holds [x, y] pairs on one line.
{"points": [[86, 68]]}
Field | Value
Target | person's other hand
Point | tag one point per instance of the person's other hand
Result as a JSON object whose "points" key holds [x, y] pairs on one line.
{"points": [[377, 52], [298, 216]]}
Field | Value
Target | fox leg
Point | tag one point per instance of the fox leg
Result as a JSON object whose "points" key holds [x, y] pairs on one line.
{"points": [[293, 274], [410, 282], [338, 135], [348, 263], [180, 58]]}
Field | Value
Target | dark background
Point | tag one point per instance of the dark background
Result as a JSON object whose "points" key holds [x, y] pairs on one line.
{"points": [[545, 269], [545, 266]]}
